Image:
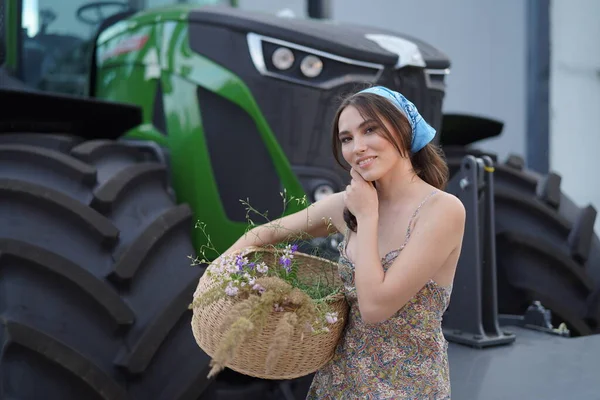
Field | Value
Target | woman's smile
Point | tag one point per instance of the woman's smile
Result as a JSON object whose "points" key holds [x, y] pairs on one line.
{"points": [[366, 162]]}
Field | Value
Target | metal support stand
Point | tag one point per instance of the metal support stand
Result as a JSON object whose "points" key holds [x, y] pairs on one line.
{"points": [[472, 317]]}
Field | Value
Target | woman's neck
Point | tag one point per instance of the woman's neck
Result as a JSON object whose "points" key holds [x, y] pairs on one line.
{"points": [[399, 186]]}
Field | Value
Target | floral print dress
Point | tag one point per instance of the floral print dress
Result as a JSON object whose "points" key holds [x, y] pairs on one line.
{"points": [[404, 357]]}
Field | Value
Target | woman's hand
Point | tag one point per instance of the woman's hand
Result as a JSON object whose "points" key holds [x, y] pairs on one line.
{"points": [[361, 198]]}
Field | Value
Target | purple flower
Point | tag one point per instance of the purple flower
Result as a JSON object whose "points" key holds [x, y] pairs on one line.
{"points": [[294, 248], [286, 263], [239, 261]]}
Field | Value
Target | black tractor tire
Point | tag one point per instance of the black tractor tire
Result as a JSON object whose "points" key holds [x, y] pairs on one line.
{"points": [[546, 247], [95, 277]]}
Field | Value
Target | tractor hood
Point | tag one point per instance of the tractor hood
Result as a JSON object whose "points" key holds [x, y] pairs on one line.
{"points": [[352, 41]]}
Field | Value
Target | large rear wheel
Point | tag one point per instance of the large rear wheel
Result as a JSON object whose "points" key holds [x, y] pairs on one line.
{"points": [[95, 281], [546, 248]]}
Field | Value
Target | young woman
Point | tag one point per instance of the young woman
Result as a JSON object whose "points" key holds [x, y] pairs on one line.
{"points": [[403, 236]]}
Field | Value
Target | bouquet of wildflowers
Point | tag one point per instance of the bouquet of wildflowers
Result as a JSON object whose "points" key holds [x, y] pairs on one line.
{"points": [[271, 312]]}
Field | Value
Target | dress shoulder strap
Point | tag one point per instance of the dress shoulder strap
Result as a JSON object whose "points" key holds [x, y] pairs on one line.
{"points": [[412, 218]]}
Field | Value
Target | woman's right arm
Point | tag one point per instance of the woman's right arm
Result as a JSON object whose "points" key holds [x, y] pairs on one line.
{"points": [[319, 219]]}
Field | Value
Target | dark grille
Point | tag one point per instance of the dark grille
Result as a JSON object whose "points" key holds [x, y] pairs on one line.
{"points": [[242, 167]]}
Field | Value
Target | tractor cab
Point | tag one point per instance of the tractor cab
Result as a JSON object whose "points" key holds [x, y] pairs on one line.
{"points": [[54, 49]]}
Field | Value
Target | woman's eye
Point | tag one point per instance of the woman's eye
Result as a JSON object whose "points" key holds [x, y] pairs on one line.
{"points": [[371, 129], [344, 140]]}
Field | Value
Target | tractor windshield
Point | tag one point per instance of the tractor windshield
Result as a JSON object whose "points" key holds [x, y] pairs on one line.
{"points": [[57, 38]]}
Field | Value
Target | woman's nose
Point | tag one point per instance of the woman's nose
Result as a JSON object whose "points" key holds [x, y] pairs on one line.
{"points": [[359, 145]]}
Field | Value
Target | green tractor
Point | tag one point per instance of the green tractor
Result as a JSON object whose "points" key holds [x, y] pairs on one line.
{"points": [[115, 141]]}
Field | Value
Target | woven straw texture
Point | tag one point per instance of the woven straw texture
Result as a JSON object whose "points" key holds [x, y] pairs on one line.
{"points": [[305, 353]]}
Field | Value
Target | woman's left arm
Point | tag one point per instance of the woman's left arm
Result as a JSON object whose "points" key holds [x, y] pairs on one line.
{"points": [[438, 233]]}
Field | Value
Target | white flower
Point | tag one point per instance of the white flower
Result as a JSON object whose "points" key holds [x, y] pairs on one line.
{"points": [[258, 288], [231, 290], [331, 317], [232, 269], [262, 268]]}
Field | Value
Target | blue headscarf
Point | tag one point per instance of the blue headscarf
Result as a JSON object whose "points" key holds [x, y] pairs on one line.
{"points": [[422, 132]]}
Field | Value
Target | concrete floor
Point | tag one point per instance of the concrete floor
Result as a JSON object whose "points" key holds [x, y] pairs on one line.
{"points": [[536, 366]]}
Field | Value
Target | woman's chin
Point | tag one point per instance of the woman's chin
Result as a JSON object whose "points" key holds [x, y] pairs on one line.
{"points": [[369, 176]]}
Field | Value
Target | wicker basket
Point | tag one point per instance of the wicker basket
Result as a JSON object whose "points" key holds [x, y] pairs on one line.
{"points": [[305, 352]]}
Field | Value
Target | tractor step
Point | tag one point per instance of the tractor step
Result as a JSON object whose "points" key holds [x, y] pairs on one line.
{"points": [[41, 112]]}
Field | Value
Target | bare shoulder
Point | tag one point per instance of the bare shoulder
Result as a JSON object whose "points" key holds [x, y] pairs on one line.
{"points": [[450, 204], [447, 209]]}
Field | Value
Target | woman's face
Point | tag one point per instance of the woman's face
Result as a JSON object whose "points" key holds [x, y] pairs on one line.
{"points": [[363, 145]]}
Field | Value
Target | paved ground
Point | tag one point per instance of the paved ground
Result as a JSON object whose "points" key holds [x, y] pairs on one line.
{"points": [[536, 366]]}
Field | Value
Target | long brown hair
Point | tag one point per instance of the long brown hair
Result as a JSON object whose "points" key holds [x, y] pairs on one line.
{"points": [[428, 163]]}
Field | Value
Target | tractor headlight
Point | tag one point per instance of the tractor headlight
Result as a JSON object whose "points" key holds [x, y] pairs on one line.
{"points": [[322, 191], [277, 58], [311, 66], [283, 58]]}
